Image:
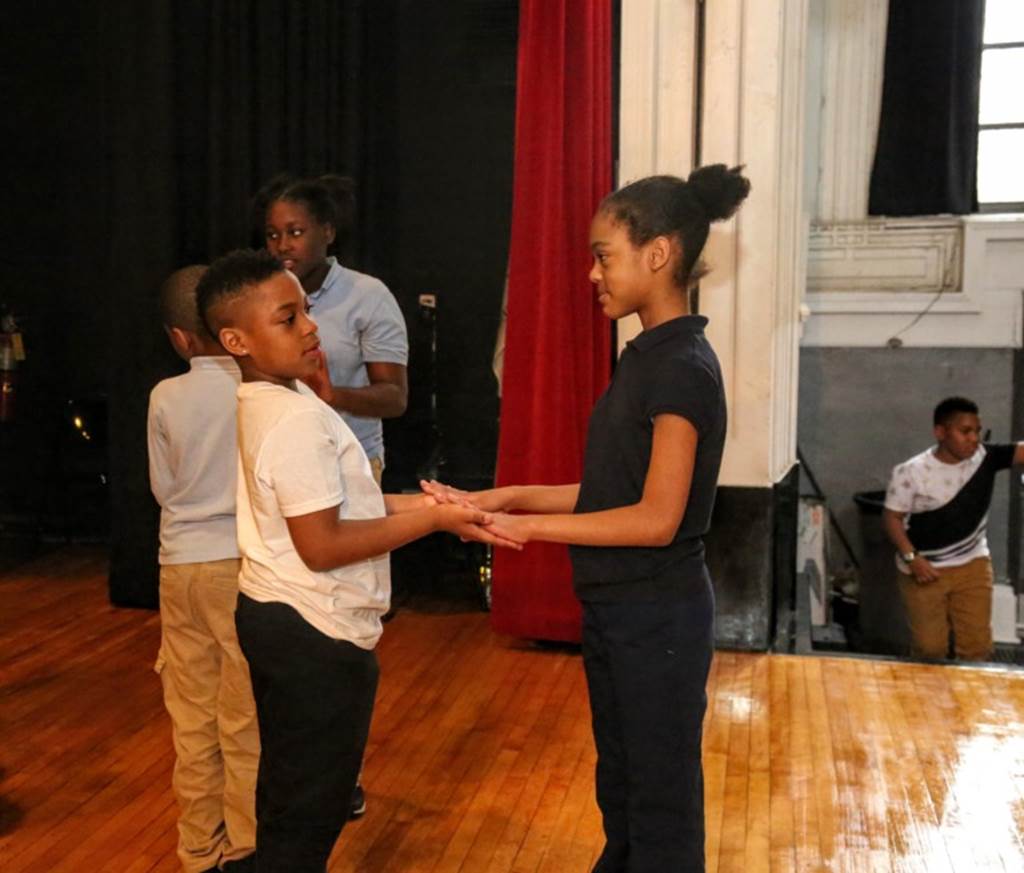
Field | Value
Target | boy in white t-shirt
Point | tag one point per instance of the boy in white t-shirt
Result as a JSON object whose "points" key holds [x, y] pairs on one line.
{"points": [[192, 471], [936, 511], [314, 532]]}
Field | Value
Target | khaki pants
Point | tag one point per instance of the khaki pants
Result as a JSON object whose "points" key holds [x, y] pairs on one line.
{"points": [[961, 600], [209, 698]]}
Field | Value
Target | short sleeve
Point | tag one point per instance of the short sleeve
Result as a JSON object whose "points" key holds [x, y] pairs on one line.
{"points": [[161, 476], [385, 340], [300, 461], [899, 496], [1001, 454], [687, 389]]}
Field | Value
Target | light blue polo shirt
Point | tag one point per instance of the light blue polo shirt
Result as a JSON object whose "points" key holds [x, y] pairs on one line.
{"points": [[359, 323]]}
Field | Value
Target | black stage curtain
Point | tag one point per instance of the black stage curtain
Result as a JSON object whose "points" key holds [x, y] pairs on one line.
{"points": [[203, 102], [928, 135]]}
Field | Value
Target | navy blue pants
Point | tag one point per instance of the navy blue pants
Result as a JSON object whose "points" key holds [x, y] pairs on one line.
{"points": [[314, 699], [647, 666]]}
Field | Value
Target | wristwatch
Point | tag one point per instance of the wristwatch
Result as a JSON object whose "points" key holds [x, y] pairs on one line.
{"points": [[908, 557]]}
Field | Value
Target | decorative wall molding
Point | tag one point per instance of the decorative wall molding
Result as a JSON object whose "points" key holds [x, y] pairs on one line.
{"points": [[882, 255], [987, 310]]}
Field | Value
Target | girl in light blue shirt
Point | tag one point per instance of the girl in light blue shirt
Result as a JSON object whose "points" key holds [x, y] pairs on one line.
{"points": [[362, 331]]}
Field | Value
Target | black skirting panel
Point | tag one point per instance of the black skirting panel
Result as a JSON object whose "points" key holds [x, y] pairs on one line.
{"points": [[751, 553]]}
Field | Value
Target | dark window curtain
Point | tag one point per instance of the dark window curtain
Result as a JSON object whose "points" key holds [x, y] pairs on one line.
{"points": [[204, 101], [928, 132], [557, 353]]}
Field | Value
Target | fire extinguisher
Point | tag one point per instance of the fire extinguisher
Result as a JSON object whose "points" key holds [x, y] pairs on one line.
{"points": [[12, 352]]}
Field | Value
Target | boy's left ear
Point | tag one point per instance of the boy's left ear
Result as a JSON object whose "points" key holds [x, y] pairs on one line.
{"points": [[181, 342], [233, 342]]}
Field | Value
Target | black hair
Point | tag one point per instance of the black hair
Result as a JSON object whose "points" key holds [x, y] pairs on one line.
{"points": [[178, 299], [330, 199], [952, 406], [681, 210], [230, 277]]}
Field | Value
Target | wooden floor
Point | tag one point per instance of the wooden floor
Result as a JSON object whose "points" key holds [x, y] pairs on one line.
{"points": [[481, 759]]}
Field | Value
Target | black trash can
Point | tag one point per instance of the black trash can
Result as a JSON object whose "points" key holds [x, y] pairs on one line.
{"points": [[883, 620]]}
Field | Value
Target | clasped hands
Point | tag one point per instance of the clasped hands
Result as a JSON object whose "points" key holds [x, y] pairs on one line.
{"points": [[497, 528]]}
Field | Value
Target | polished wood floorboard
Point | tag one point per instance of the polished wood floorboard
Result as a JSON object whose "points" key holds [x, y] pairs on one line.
{"points": [[480, 759]]}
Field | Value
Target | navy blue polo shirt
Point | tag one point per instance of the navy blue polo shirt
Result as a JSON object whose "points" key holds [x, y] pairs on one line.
{"points": [[668, 369]]}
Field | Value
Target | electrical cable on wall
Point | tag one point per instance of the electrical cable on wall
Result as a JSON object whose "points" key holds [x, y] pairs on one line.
{"points": [[894, 342]]}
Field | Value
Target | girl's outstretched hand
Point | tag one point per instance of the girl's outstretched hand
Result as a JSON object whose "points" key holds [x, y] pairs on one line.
{"points": [[320, 381], [515, 528], [469, 523]]}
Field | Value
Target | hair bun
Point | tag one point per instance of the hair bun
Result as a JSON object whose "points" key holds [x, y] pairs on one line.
{"points": [[719, 189]]}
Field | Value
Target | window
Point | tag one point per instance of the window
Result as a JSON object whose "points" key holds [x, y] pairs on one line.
{"points": [[1001, 110]]}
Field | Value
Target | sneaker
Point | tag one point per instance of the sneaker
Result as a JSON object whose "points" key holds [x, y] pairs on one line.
{"points": [[358, 802]]}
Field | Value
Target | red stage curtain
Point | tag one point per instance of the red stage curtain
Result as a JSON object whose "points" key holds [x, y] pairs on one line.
{"points": [[557, 353]]}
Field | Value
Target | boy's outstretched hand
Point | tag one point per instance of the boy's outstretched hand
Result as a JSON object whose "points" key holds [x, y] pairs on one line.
{"points": [[510, 527], [491, 500]]}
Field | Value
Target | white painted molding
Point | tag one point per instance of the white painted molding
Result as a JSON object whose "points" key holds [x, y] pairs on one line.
{"points": [[754, 104], [877, 255], [657, 97], [987, 312]]}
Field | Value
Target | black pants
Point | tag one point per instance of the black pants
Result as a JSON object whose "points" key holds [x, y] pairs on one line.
{"points": [[314, 698], [647, 665]]}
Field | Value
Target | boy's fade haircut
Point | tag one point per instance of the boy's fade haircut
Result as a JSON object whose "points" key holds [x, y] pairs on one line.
{"points": [[178, 299], [231, 277], [953, 406]]}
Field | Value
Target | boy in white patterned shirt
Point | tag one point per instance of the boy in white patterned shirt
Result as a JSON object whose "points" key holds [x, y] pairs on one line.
{"points": [[936, 511]]}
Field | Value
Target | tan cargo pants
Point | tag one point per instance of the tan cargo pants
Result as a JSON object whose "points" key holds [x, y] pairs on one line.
{"points": [[961, 600], [208, 696]]}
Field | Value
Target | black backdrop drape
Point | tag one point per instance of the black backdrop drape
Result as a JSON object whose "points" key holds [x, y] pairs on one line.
{"points": [[928, 132], [134, 136], [209, 100]]}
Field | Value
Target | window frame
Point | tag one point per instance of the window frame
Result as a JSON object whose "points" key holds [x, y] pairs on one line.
{"points": [[1005, 206]]}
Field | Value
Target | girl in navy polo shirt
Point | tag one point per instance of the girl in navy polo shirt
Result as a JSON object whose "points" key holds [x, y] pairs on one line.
{"points": [[635, 523]]}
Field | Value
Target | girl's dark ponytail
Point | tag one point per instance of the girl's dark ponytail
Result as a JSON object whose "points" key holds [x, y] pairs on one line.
{"points": [[342, 191], [719, 189], [668, 206]]}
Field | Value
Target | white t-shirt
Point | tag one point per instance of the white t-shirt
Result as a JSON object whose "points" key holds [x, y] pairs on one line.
{"points": [[192, 467], [924, 483], [297, 456]]}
